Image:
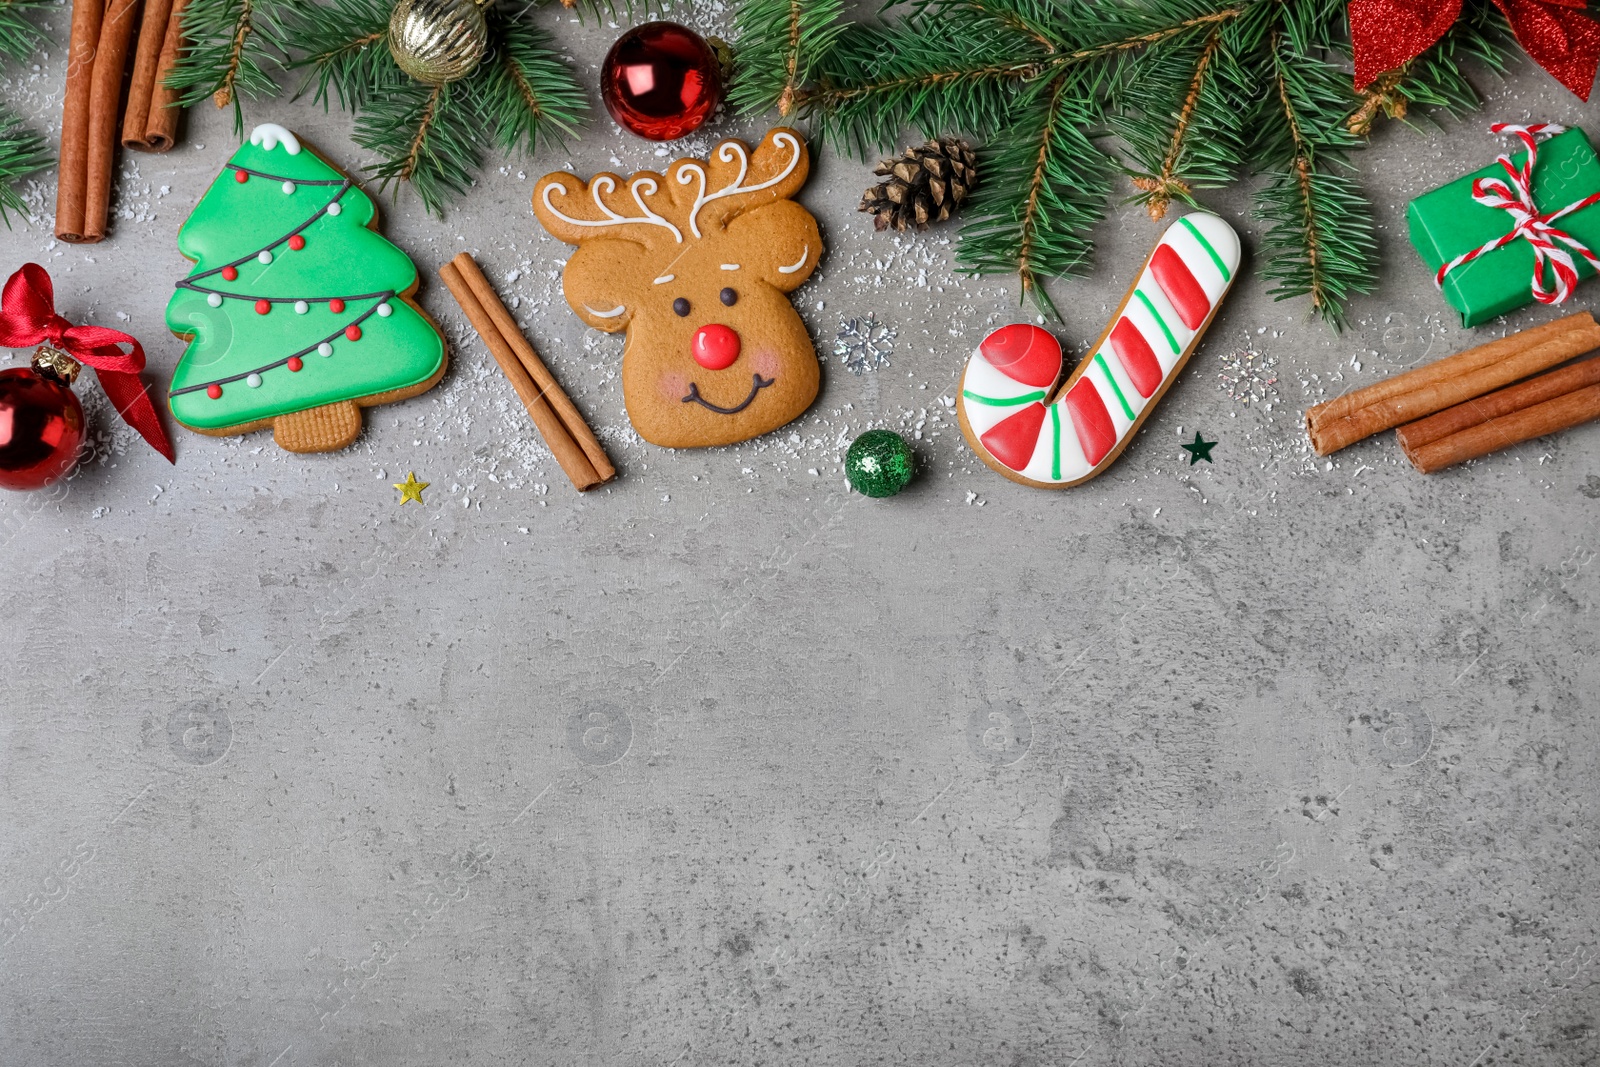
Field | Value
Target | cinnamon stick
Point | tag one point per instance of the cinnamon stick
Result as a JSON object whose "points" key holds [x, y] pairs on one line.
{"points": [[161, 130], [151, 121], [73, 169], [567, 451], [563, 405], [1449, 381], [110, 61], [1551, 402]]}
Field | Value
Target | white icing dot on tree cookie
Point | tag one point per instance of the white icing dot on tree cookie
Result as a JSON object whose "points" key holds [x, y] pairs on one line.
{"points": [[301, 307]]}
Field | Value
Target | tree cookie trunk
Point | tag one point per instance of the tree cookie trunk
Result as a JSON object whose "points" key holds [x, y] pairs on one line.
{"points": [[324, 429]]}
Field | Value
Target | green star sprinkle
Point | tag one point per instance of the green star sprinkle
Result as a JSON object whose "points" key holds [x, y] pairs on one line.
{"points": [[1200, 449]]}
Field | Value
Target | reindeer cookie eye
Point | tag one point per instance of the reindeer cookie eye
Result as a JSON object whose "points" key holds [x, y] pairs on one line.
{"points": [[680, 307], [729, 297]]}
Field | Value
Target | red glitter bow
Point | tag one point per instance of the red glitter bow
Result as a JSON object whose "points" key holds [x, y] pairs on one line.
{"points": [[1388, 34], [28, 317]]}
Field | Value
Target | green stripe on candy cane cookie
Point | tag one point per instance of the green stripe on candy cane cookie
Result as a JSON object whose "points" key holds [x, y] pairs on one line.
{"points": [[1004, 401]]}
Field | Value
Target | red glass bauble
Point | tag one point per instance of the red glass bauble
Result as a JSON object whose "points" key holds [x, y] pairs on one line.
{"points": [[661, 81], [41, 429]]}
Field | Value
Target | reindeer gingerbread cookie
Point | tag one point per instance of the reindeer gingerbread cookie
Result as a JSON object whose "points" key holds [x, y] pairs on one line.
{"points": [[696, 265]]}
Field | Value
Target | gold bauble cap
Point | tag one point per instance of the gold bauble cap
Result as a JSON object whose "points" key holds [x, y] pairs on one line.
{"points": [[50, 362], [438, 41]]}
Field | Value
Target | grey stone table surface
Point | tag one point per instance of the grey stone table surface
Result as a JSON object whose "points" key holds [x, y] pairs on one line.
{"points": [[1275, 760]]}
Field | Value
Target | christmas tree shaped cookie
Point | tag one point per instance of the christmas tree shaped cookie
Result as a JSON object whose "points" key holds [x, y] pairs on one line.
{"points": [[297, 312]]}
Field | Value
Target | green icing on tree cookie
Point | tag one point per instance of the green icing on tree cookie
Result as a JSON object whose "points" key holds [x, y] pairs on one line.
{"points": [[293, 302]]}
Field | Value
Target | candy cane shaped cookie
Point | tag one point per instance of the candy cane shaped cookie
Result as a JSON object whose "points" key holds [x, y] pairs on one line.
{"points": [[1023, 426]]}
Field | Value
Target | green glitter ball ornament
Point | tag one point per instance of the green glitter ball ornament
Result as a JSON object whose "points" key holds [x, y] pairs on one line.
{"points": [[879, 463]]}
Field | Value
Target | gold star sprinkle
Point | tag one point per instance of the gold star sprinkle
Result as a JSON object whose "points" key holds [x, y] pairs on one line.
{"points": [[411, 489]]}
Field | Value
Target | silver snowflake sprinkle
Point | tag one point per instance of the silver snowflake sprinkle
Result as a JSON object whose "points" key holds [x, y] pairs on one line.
{"points": [[1250, 377], [864, 344]]}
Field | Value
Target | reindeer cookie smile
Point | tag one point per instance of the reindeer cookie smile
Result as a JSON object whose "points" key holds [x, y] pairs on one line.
{"points": [[759, 384], [695, 265]]}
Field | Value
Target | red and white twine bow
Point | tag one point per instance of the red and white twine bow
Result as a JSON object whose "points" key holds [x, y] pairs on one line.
{"points": [[1516, 199]]}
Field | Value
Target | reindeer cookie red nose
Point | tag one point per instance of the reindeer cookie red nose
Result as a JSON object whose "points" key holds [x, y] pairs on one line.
{"points": [[715, 346]]}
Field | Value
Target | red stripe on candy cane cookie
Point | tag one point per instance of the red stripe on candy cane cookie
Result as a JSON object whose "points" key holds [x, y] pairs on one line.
{"points": [[1013, 440], [1136, 357], [1091, 421], [1024, 353], [1178, 282]]}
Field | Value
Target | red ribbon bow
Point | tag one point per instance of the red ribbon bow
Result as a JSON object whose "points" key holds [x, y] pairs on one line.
{"points": [[28, 317], [1388, 34]]}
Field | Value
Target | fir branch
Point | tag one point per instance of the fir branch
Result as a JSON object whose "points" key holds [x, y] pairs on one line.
{"points": [[1159, 188], [231, 43], [1437, 80], [938, 73], [780, 44], [1319, 241], [19, 37], [343, 46], [1199, 92], [1028, 222], [428, 135], [1022, 17], [1042, 193], [22, 151], [1201, 21], [525, 91], [933, 74]]}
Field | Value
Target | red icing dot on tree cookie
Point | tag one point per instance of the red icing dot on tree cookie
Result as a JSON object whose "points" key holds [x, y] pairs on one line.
{"points": [[294, 363], [214, 392], [336, 306], [263, 306], [352, 332], [230, 274], [297, 242], [240, 176]]}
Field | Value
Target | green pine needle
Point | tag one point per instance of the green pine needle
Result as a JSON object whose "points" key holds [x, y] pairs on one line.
{"points": [[343, 47], [19, 37], [429, 136], [1063, 180], [231, 45], [525, 90], [1319, 241], [779, 42], [22, 151]]}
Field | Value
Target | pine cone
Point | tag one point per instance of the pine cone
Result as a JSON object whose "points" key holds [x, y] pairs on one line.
{"points": [[924, 185]]}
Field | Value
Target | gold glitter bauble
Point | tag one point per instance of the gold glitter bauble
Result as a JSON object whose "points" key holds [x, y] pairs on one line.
{"points": [[437, 41]]}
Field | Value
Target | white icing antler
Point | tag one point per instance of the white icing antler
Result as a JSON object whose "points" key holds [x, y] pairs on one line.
{"points": [[727, 153], [650, 218]]}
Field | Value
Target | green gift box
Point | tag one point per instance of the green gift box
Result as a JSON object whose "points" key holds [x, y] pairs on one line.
{"points": [[1446, 222]]}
